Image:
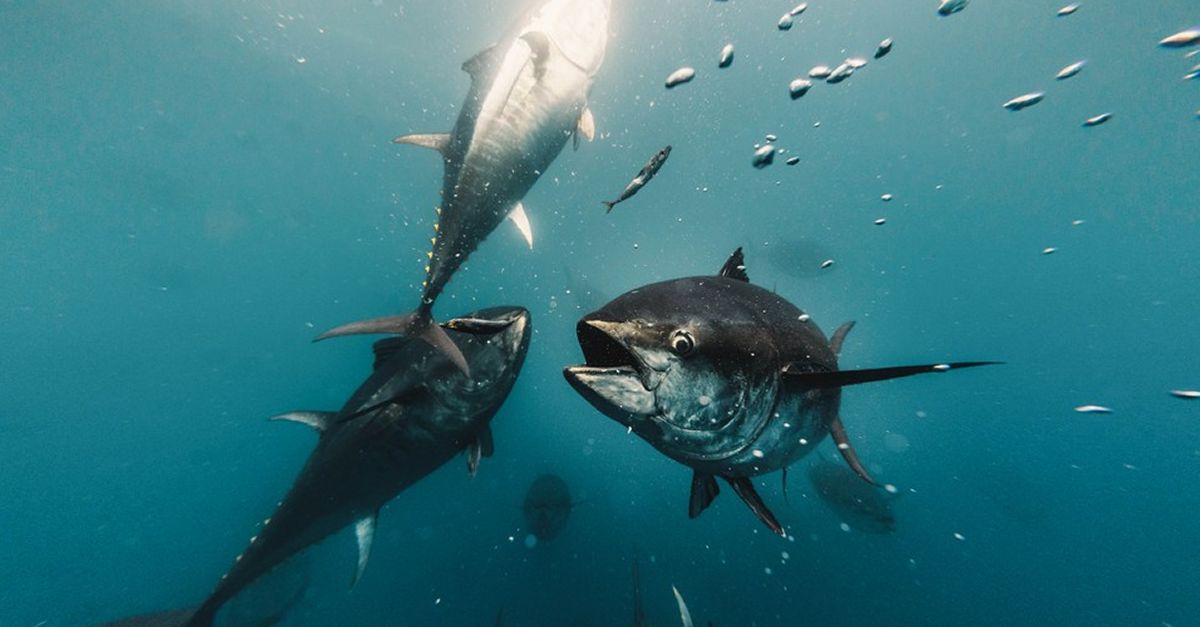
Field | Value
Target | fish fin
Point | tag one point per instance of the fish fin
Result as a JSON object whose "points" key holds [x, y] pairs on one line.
{"points": [[539, 45], [840, 378], [319, 420], [434, 141], [521, 219], [387, 348], [704, 490], [839, 337], [479, 63], [586, 126], [745, 489], [838, 431], [785, 494], [364, 531], [684, 614], [608, 206], [415, 324], [487, 446], [735, 267], [474, 454]]}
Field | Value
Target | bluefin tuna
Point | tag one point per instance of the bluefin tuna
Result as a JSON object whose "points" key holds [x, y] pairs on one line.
{"points": [[528, 95], [722, 376], [416, 411]]}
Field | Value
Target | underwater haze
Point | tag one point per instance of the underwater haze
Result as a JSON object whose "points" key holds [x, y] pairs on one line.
{"points": [[191, 192]]}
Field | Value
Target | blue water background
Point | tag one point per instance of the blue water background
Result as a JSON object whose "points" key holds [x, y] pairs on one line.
{"points": [[184, 204]]}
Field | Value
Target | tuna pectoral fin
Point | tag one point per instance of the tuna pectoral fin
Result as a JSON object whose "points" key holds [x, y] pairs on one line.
{"points": [[745, 489], [364, 532], [704, 490], [839, 337], [477, 326], [474, 454], [842, 378], [585, 127], [318, 420], [838, 431], [416, 324], [521, 220], [435, 141]]}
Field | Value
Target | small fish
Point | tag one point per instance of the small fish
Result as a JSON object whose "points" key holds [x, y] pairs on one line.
{"points": [[1182, 39], [785, 22], [799, 87], [1097, 120], [1049, 250], [680, 76], [1021, 102], [840, 73], [1093, 409], [826, 264], [726, 59], [1188, 394], [651, 168], [880, 221], [820, 71], [763, 156], [886, 198], [1070, 9], [798, 9], [1070, 70], [1191, 54], [950, 7], [884, 48], [793, 160], [771, 137], [857, 63], [1191, 76]]}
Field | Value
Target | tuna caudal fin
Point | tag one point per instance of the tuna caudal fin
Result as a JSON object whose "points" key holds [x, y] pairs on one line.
{"points": [[838, 431], [745, 489], [842, 378], [416, 324]]}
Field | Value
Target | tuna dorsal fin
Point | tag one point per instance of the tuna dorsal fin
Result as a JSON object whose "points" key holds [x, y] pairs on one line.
{"points": [[319, 420], [735, 267], [839, 337], [478, 64], [539, 45], [745, 489], [521, 220], [364, 532], [841, 378], [434, 141], [486, 445], [704, 490], [838, 431]]}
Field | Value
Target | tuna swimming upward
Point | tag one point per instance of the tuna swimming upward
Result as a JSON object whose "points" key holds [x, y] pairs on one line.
{"points": [[722, 376], [528, 96]]}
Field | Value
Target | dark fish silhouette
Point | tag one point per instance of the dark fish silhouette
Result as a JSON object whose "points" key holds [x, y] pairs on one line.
{"points": [[642, 179], [547, 506], [862, 506], [723, 376], [414, 413], [528, 95]]}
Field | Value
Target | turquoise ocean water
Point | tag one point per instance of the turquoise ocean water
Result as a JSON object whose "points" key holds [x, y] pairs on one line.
{"points": [[189, 192]]}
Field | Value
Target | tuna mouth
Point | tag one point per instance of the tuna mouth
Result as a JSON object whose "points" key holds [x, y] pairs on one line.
{"points": [[611, 378]]}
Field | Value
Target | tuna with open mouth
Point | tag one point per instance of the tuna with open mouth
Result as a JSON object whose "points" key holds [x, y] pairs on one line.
{"points": [[528, 96], [722, 376]]}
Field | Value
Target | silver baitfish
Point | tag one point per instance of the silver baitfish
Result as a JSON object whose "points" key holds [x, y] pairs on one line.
{"points": [[680, 76]]}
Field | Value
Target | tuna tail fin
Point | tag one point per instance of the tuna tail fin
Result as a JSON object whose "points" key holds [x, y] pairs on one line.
{"points": [[608, 206], [416, 324]]}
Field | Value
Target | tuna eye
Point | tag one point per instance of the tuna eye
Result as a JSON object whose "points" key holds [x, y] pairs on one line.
{"points": [[682, 342]]}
